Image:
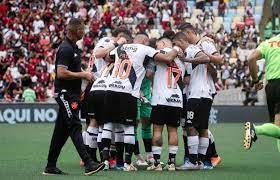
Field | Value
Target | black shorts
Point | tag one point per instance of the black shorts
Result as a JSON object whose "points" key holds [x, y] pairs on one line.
{"points": [[183, 115], [198, 112], [120, 108], [96, 105], [272, 91], [84, 104], [168, 115]]}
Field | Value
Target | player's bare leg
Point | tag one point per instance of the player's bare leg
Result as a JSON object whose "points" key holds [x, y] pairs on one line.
{"points": [[156, 147], [192, 143], [172, 148], [147, 139]]}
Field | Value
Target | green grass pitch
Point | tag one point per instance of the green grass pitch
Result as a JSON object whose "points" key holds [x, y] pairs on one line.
{"points": [[23, 153]]}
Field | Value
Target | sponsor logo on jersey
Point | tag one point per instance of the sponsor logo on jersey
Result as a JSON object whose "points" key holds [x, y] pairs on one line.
{"points": [[174, 98], [100, 82], [117, 84], [129, 48]]}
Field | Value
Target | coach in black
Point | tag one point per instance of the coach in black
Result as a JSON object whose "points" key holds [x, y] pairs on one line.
{"points": [[67, 89]]}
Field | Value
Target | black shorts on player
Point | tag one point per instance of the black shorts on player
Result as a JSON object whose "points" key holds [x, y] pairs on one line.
{"points": [[96, 108], [198, 112], [168, 115], [272, 91], [120, 108]]}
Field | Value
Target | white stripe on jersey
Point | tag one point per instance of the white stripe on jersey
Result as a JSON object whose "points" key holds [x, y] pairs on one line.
{"points": [[167, 82], [129, 70], [198, 86]]}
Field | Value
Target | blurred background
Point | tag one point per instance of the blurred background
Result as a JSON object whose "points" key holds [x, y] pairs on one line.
{"points": [[31, 30]]}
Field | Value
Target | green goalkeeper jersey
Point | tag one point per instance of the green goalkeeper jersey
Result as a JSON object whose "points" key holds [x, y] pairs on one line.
{"points": [[270, 51]]}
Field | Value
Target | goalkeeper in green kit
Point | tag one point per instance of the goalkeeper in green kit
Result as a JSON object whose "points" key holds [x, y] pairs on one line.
{"points": [[143, 116], [270, 51]]}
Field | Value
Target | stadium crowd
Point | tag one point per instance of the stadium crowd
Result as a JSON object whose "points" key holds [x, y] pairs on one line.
{"points": [[31, 31]]}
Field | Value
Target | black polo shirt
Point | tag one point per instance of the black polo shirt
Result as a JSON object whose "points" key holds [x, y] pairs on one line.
{"points": [[68, 56]]}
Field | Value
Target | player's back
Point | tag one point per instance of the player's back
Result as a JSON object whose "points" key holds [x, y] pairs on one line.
{"points": [[198, 86], [130, 61], [168, 82]]}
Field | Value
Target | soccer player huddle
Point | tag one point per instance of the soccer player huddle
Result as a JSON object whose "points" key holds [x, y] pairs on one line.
{"points": [[169, 81]]}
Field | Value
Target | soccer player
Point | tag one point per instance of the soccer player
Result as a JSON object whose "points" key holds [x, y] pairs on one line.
{"points": [[198, 103], [270, 51], [144, 113], [208, 47], [68, 88], [167, 103], [98, 90], [124, 90]]}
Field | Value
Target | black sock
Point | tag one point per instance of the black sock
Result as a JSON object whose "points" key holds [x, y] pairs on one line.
{"points": [[136, 148], [187, 154], [193, 158], [147, 145], [213, 150], [171, 159], [100, 149], [120, 150], [92, 153], [201, 157], [113, 152], [106, 148], [157, 159], [129, 149], [209, 151]]}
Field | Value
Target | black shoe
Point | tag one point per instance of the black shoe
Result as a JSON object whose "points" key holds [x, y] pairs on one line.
{"points": [[53, 171], [250, 135], [93, 167]]}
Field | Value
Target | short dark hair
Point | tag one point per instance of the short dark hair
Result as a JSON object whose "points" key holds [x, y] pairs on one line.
{"points": [[74, 23], [178, 36], [169, 34], [142, 33], [119, 30], [185, 26], [152, 42], [162, 38]]}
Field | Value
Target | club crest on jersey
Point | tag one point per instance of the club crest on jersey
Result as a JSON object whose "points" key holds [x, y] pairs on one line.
{"points": [[174, 98], [74, 105]]}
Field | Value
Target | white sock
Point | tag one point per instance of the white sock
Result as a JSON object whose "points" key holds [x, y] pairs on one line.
{"points": [[129, 136], [84, 134], [172, 149], [193, 142], [91, 137], [203, 145]]}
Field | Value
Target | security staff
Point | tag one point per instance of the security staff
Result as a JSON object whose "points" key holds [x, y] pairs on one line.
{"points": [[67, 89]]}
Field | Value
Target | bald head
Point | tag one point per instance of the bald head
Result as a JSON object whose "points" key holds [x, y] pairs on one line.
{"points": [[141, 39]]}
